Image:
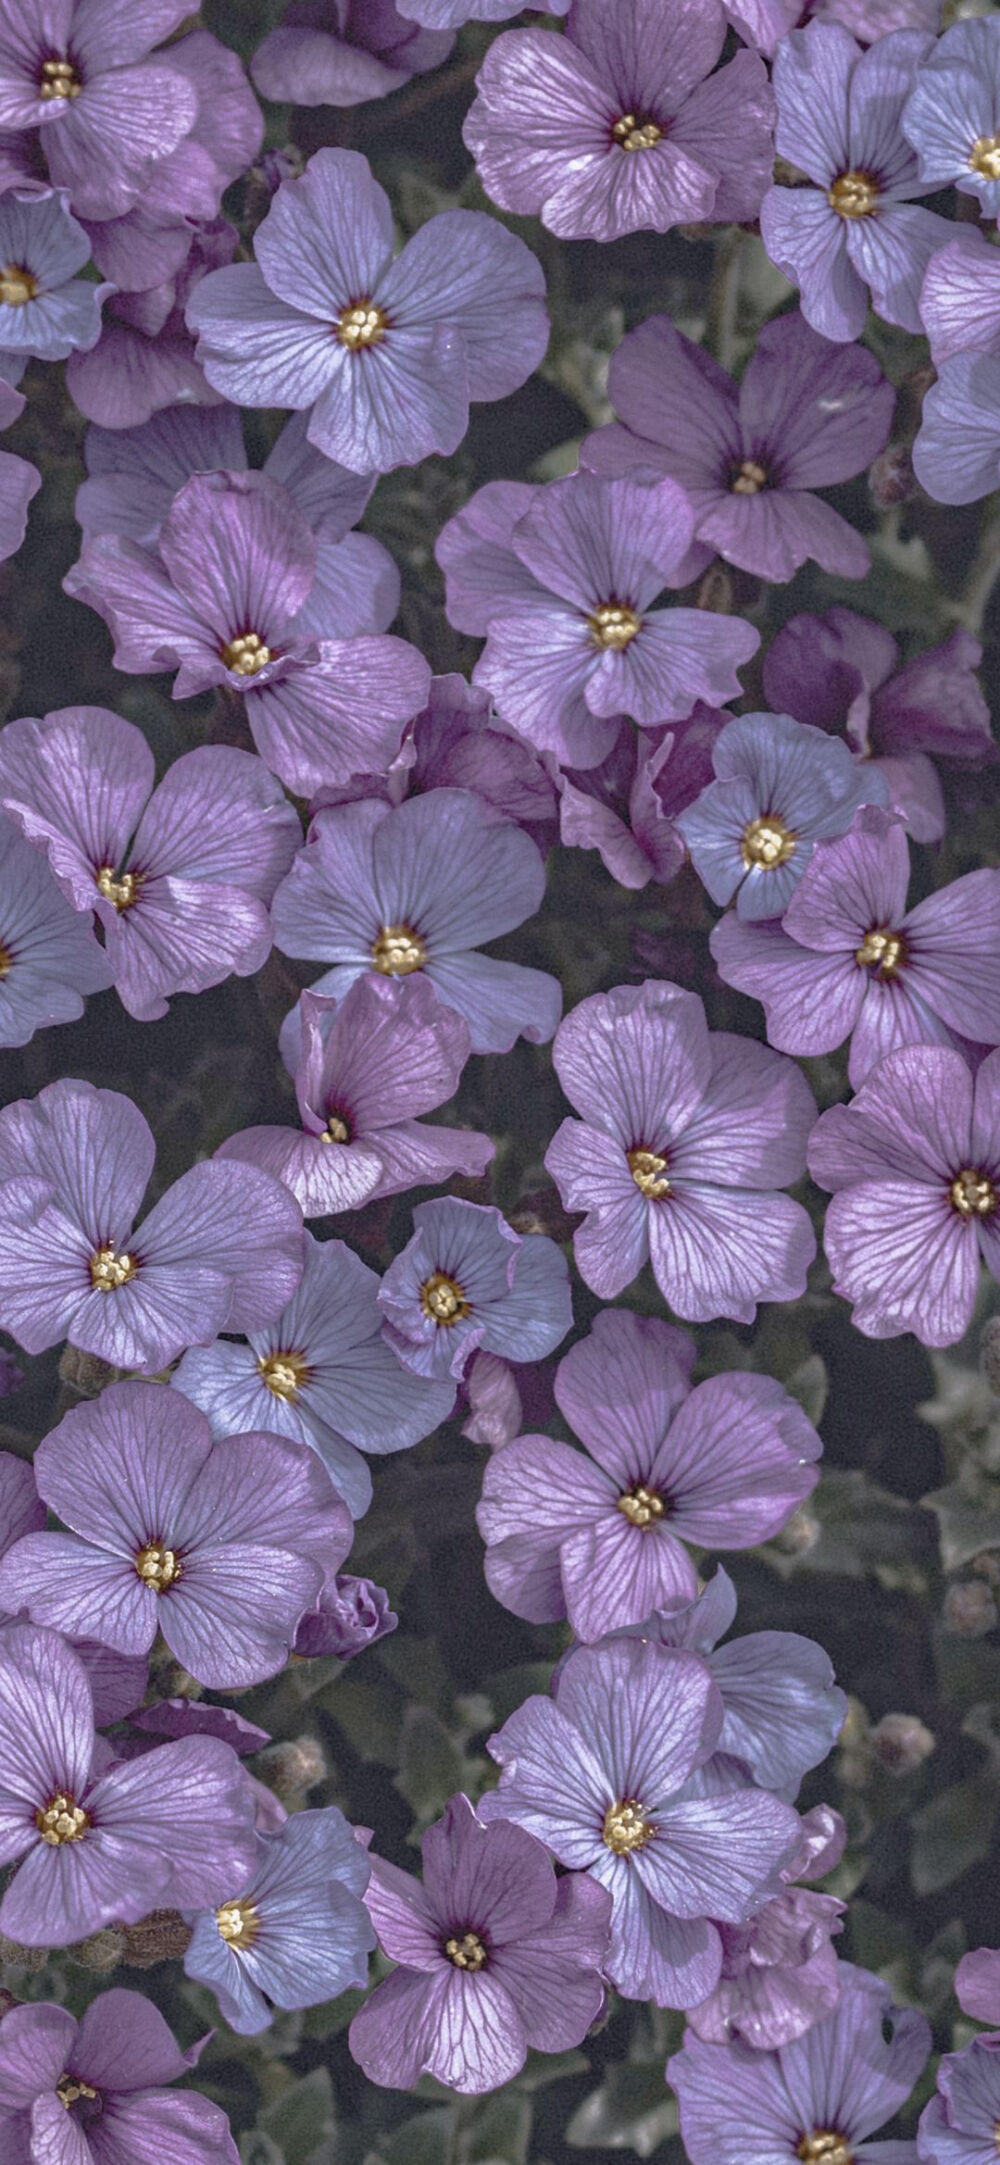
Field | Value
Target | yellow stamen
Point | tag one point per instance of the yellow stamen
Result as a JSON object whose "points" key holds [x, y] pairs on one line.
{"points": [[853, 195], [70, 2089], [17, 285], [633, 134], [750, 477], [467, 1953], [443, 1300], [59, 79], [767, 842], [984, 157], [398, 950], [648, 1170], [284, 1374], [626, 1827], [361, 325], [880, 950], [110, 1269], [158, 1567], [239, 1923], [6, 959], [246, 654], [120, 888], [614, 624], [336, 1130], [641, 1506], [823, 2147], [61, 1820], [972, 1194]]}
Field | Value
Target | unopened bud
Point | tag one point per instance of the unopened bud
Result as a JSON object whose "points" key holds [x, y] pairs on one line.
{"points": [[715, 591], [15, 1957], [11, 1374], [163, 1936], [969, 1610], [84, 1372], [292, 1769], [799, 1534], [7, 2001], [542, 1212], [900, 1743], [890, 477], [102, 1951], [989, 1353]]}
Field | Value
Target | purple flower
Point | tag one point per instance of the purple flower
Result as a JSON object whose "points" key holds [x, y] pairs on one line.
{"points": [[563, 590], [92, 2092], [977, 1985], [857, 228], [144, 359], [296, 1932], [195, 1717], [343, 52], [959, 2123], [350, 1615], [221, 1250], [117, 1681], [49, 957], [684, 1138], [386, 354], [21, 1508], [495, 1956], [820, 2096], [750, 457], [960, 297], [627, 807], [850, 961], [178, 875], [604, 1773], [20, 481], [221, 1546], [45, 309], [321, 1373], [779, 1972], [450, 14], [102, 1845], [465, 1279], [494, 1400], [621, 125], [780, 787], [600, 1538], [840, 672], [913, 1163], [956, 456], [952, 114], [420, 886], [765, 22], [241, 594], [368, 1065]]}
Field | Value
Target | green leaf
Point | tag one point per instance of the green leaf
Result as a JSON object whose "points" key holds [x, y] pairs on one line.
{"points": [[632, 2110], [425, 2139], [952, 1833], [256, 2148], [968, 1516], [303, 2117], [809, 1384], [500, 2132], [431, 1767]]}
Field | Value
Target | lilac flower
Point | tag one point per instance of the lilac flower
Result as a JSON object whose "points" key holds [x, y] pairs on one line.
{"points": [[195, 1717], [572, 639], [765, 22], [627, 807], [45, 309], [781, 786], [913, 1163], [750, 457], [850, 961], [105, 1845], [21, 1508], [494, 1400], [221, 1250], [350, 1615], [956, 455], [178, 875], [495, 1956], [343, 52], [459, 315], [321, 1373], [368, 1066], [20, 481], [683, 1140], [241, 595], [839, 672], [450, 14], [820, 2096], [977, 1985], [49, 957], [297, 1932], [605, 1774], [144, 359], [958, 2124], [93, 2092], [221, 1546], [600, 1538], [465, 1279], [117, 1681], [779, 1972], [960, 297], [621, 125], [420, 886], [952, 115], [857, 228]]}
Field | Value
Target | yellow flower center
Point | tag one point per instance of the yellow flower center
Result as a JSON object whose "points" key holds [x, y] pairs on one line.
{"points": [[59, 79], [467, 1953], [284, 1373], [110, 1269], [6, 959], [824, 2147], [158, 1567], [361, 325], [767, 842], [239, 1923], [972, 1194], [750, 477], [626, 1827], [853, 195], [641, 1506], [61, 1820], [70, 2090], [120, 888], [398, 950], [246, 654], [984, 157], [614, 624], [634, 134], [648, 1170], [17, 285], [880, 950], [336, 1129], [443, 1300]]}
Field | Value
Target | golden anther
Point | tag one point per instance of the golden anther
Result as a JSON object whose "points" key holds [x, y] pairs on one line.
{"points": [[614, 624], [767, 842], [972, 1194], [361, 325], [648, 1170], [59, 79], [158, 1567], [284, 1374], [880, 950], [17, 285], [641, 1506], [398, 950], [823, 2147], [984, 157], [336, 1130], [633, 134], [61, 1820], [853, 195], [70, 2089], [6, 959], [121, 888], [239, 1923], [246, 654], [467, 1953], [110, 1269], [626, 1827], [443, 1300], [750, 477]]}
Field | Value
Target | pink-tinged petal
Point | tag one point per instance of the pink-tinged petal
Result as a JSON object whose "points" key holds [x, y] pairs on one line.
{"points": [[451, 865], [591, 1173], [341, 716], [496, 1875], [737, 1462], [753, 1122], [805, 239], [551, 1976], [324, 1180], [253, 348], [977, 1985], [616, 1574], [394, 2036], [64, 1583], [181, 2125], [356, 590], [88, 1471], [718, 1853], [953, 945], [831, 412], [232, 1619], [186, 1814], [62, 1895], [34, 2051], [392, 1052], [653, 1712], [912, 1118], [475, 552], [893, 1015], [105, 143], [400, 1911], [331, 499], [239, 550], [673, 1961], [588, 540], [21, 1508], [718, 1251], [415, 1154], [542, 114], [892, 253], [675, 51], [728, 123], [851, 884], [811, 1001], [915, 792], [47, 1732], [77, 782], [218, 815], [298, 65], [620, 1387], [394, 403], [535, 1491], [183, 936], [537, 666], [783, 528], [558, 1789], [327, 236], [92, 1147], [638, 1059], [904, 1258], [153, 626], [465, 270], [480, 2042], [45, 1284], [679, 657], [236, 1220], [128, 377]]}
